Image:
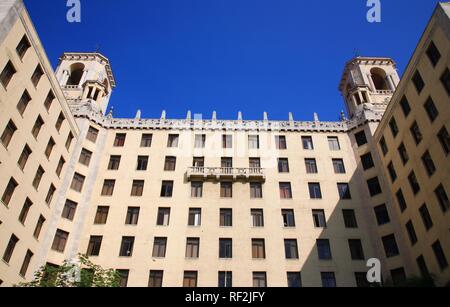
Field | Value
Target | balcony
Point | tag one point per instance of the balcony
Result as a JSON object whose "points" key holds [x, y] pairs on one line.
{"points": [[226, 173]]}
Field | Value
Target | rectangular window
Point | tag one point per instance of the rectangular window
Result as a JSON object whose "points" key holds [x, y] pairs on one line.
{"points": [[23, 159], [323, 249], [433, 54], [167, 189], [444, 139], [423, 267], [314, 191], [328, 279], [192, 247], [406, 108], [418, 82], [288, 218], [77, 182], [403, 153], [311, 166], [108, 187], [37, 74], [361, 138], [9, 191], [255, 163], [95, 243], [280, 142], [8, 133], [170, 164], [394, 127], [258, 249], [59, 121], [24, 212], [227, 141], [123, 278], [38, 228], [374, 186], [137, 189], [225, 279], [442, 198], [431, 109], [440, 255], [392, 172], [283, 165], [163, 218], [255, 190], [196, 189], [367, 161], [60, 240], [390, 246], [383, 146], [349, 218], [226, 163], [37, 127], [339, 167], [361, 280], [401, 200], [23, 46], [382, 215], [445, 79], [259, 279], [333, 143], [226, 189], [411, 232], [49, 100], [60, 166], [50, 145], [200, 141], [285, 190], [101, 216], [398, 276], [92, 135], [69, 210], [146, 140], [69, 140], [85, 157], [142, 163], [253, 141], [114, 163], [294, 279], [155, 279], [307, 143], [344, 191], [356, 249], [126, 247], [7, 74], [257, 217], [13, 240], [226, 217], [225, 248], [415, 187], [190, 279], [119, 141], [426, 217], [26, 263], [416, 134], [23, 102], [38, 177], [319, 219], [195, 217], [428, 163], [132, 216]]}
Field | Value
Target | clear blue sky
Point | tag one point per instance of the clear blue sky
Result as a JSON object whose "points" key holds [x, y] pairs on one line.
{"points": [[231, 55]]}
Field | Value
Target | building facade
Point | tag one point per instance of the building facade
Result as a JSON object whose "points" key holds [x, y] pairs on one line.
{"points": [[196, 202]]}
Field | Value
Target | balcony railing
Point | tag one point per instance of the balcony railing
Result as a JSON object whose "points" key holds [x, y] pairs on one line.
{"points": [[217, 173], [384, 92]]}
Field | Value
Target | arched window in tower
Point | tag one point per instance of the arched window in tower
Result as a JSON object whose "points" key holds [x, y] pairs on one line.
{"points": [[379, 79], [76, 73]]}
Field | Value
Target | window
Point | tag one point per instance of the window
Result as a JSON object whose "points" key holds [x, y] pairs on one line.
{"points": [[314, 191], [196, 189], [280, 142], [26, 263], [114, 163], [226, 217], [49, 100], [69, 140], [132, 216], [192, 247], [255, 163], [382, 215], [433, 54], [155, 279], [294, 279], [415, 132], [26, 153], [227, 141], [361, 280], [190, 279], [398, 276], [13, 240], [333, 143], [445, 79], [423, 266], [404, 104], [258, 249], [23, 102], [374, 186], [8, 133], [126, 247], [167, 189], [138, 188], [226, 189], [195, 217], [226, 163], [361, 138], [60, 240], [323, 249], [418, 82], [311, 166], [146, 140], [77, 182], [85, 157], [291, 249], [255, 190], [225, 248], [349, 218], [257, 217], [170, 164], [288, 218], [142, 163], [92, 134], [356, 249], [259, 279], [9, 191], [119, 141], [60, 166], [200, 141], [431, 109], [307, 143], [38, 228], [38, 177], [163, 218], [23, 46], [7, 74], [59, 121], [95, 243], [283, 165], [428, 163], [415, 187], [69, 210], [225, 280], [328, 279], [37, 127], [37, 74], [444, 139], [50, 145], [390, 246], [411, 232], [108, 187], [24, 212], [394, 127], [123, 277], [339, 167], [101, 216], [253, 141], [319, 219], [367, 161], [442, 198], [285, 190], [440, 255], [401, 200], [403, 153], [426, 217], [383, 146], [344, 191], [392, 172]]}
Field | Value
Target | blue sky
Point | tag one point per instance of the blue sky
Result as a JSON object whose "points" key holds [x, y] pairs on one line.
{"points": [[231, 55]]}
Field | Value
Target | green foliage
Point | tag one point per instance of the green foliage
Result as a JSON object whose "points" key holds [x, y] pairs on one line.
{"points": [[83, 274]]}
